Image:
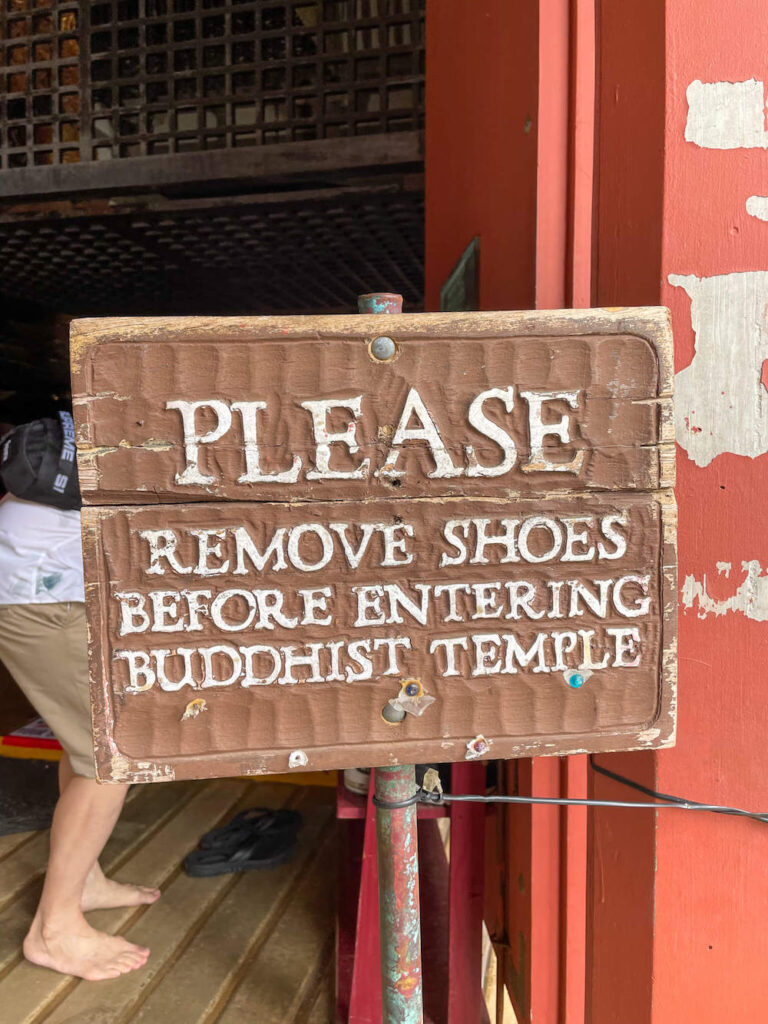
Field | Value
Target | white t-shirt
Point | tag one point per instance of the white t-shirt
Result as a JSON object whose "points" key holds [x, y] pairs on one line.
{"points": [[41, 558]]}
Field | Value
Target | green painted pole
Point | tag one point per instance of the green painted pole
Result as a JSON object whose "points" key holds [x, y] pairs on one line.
{"points": [[399, 919]]}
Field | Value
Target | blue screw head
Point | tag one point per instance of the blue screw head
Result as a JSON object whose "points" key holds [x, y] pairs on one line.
{"points": [[412, 689], [576, 680]]}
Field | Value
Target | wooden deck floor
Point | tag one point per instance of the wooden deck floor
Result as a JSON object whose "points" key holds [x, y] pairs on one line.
{"points": [[239, 949]]}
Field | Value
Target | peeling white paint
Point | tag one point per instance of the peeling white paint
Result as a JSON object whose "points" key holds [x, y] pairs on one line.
{"points": [[727, 115], [123, 769], [648, 737], [724, 568], [721, 404], [757, 206], [750, 598]]}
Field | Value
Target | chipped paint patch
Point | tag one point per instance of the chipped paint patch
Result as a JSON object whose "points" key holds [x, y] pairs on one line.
{"points": [[478, 747], [724, 568], [750, 598], [104, 449], [194, 708], [297, 759], [720, 402], [648, 737], [726, 115], [123, 769], [152, 444], [757, 206]]}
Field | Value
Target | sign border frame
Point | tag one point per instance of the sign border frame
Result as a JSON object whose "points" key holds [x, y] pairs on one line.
{"points": [[649, 323]]}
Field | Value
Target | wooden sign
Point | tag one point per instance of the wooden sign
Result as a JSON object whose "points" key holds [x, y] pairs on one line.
{"points": [[299, 555]]}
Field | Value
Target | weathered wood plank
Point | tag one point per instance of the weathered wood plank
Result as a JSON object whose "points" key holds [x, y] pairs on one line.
{"points": [[648, 322], [220, 953], [296, 955], [329, 159], [144, 814], [12, 842], [323, 1008], [476, 459], [131, 442], [173, 928], [33, 991], [258, 726], [24, 868]]}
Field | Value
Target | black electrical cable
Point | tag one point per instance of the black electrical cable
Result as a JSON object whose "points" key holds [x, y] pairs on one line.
{"points": [[683, 805], [395, 805], [662, 800], [672, 799]]}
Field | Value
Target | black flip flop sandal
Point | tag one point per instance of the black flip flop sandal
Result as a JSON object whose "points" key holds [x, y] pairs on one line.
{"points": [[262, 851], [248, 823]]}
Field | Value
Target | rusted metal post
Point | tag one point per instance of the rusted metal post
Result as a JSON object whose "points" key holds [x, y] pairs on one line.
{"points": [[380, 302], [398, 856], [399, 923]]}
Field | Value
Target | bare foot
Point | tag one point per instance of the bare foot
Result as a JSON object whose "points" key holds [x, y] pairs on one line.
{"points": [[102, 893], [84, 952]]}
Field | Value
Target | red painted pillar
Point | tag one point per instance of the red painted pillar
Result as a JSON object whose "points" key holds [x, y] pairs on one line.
{"points": [[481, 146], [481, 165], [629, 171], [712, 870], [510, 108], [679, 905]]}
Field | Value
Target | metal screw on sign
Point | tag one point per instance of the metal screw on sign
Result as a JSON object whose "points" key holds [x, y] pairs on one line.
{"points": [[392, 715], [383, 348], [396, 835]]}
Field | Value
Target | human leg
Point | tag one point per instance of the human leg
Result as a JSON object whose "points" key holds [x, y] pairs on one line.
{"points": [[60, 937], [100, 892], [44, 647]]}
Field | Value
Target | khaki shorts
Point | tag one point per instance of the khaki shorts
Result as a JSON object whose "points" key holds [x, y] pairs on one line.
{"points": [[45, 648]]}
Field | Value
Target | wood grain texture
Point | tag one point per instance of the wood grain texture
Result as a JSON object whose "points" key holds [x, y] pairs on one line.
{"points": [[197, 987], [31, 990], [131, 454], [205, 934], [254, 728], [685, 902], [191, 914], [131, 446], [138, 823]]}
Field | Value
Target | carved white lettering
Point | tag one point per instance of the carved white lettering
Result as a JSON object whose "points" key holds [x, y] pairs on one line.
{"points": [[426, 431], [538, 431], [324, 438], [483, 425], [253, 474], [192, 439]]}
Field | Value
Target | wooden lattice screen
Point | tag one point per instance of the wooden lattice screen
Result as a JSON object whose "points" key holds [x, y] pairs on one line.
{"points": [[42, 71], [127, 78]]}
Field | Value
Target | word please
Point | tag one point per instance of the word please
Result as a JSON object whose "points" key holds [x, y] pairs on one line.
{"points": [[415, 423]]}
